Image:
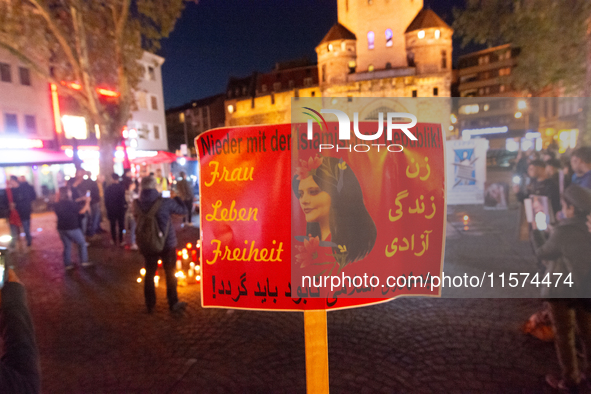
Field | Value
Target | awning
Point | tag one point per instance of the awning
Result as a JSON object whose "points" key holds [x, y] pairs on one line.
{"points": [[31, 157], [160, 157]]}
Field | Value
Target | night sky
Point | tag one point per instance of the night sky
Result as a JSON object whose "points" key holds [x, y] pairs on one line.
{"points": [[216, 39]]}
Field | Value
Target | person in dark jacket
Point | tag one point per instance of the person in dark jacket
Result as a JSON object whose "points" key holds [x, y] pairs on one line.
{"points": [[19, 368], [540, 185], [23, 197], [185, 192], [116, 207], [68, 226], [94, 219], [568, 249], [148, 197]]}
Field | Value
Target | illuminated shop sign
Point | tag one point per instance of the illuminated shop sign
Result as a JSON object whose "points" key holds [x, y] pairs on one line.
{"points": [[20, 143]]}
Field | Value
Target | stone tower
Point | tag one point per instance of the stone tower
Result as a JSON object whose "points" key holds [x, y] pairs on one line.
{"points": [[429, 43], [379, 26], [336, 56]]}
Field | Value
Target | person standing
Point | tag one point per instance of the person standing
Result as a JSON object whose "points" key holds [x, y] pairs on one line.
{"points": [[154, 213], [580, 161], [130, 196], [94, 218], [19, 368], [185, 192], [568, 249], [161, 181], [116, 207], [68, 226], [24, 202], [540, 185], [78, 195], [14, 219]]}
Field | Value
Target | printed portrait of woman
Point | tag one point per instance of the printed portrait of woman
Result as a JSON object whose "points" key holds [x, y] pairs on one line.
{"points": [[332, 202]]}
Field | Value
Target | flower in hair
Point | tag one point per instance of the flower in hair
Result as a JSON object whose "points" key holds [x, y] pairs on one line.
{"points": [[308, 168]]}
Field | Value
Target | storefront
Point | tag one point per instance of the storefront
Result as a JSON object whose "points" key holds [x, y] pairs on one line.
{"points": [[37, 160]]}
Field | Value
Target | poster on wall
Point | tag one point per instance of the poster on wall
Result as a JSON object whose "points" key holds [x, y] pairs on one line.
{"points": [[466, 171], [266, 194]]}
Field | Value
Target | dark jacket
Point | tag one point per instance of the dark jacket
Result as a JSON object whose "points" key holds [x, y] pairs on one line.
{"points": [[115, 201], [547, 188], [569, 250], [19, 369], [169, 207], [23, 196], [92, 186]]}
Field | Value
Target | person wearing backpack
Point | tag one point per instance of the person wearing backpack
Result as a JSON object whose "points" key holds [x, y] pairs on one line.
{"points": [[156, 240]]}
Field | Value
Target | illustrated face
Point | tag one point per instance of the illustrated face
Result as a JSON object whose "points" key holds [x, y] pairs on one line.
{"points": [[314, 202]]}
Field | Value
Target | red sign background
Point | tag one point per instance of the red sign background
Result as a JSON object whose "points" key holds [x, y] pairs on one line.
{"points": [[247, 204]]}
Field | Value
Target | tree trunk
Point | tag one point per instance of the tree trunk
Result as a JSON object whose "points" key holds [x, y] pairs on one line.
{"points": [[107, 146]]}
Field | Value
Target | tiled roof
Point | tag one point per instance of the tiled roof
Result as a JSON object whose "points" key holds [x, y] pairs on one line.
{"points": [[426, 19]]}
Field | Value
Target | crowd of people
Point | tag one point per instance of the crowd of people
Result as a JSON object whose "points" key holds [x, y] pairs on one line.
{"points": [[563, 247]]}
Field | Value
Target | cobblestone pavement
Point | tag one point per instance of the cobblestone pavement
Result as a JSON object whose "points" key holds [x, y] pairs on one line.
{"points": [[95, 337]]}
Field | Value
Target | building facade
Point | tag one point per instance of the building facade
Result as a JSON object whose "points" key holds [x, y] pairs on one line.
{"points": [[378, 48], [28, 139], [186, 122], [490, 107]]}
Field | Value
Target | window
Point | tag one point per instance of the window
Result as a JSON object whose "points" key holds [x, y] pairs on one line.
{"points": [[370, 40], [156, 132], [25, 76], [352, 66], [264, 88], [151, 73], [313, 94], [277, 86], [308, 81], [389, 37], [330, 47], [142, 102], [154, 102], [324, 73], [414, 93], [10, 123], [30, 124], [388, 66], [435, 91], [443, 58], [244, 90], [291, 84], [272, 99], [343, 45], [437, 34], [421, 34], [505, 71], [5, 72]]}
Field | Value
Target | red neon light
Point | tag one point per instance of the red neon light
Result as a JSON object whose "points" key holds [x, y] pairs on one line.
{"points": [[101, 91]]}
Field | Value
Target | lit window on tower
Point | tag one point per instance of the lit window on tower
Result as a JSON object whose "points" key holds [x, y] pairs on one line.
{"points": [[421, 34], [389, 37], [370, 40]]}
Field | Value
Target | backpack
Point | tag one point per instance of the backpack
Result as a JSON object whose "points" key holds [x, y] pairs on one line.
{"points": [[150, 239]]}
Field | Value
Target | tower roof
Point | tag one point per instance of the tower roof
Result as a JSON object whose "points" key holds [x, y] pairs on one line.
{"points": [[338, 32], [426, 19]]}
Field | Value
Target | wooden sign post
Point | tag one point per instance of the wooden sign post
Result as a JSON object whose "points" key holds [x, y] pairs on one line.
{"points": [[315, 331]]}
